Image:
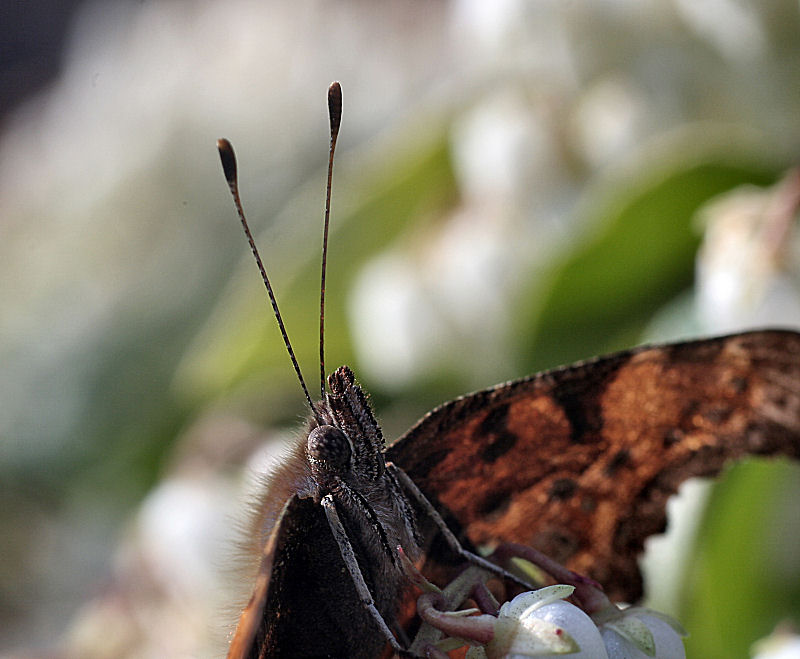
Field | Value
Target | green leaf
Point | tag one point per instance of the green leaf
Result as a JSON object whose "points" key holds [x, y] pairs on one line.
{"points": [[638, 254], [745, 576]]}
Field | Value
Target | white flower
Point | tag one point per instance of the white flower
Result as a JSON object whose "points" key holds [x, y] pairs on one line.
{"points": [[541, 624], [642, 634], [783, 643]]}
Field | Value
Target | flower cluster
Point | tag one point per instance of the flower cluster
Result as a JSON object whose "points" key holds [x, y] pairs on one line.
{"points": [[541, 623]]}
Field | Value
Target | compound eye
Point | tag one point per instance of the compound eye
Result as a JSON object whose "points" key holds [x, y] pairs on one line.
{"points": [[328, 448]]}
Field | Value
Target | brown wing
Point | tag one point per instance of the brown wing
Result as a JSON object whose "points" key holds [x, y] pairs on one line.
{"points": [[260, 625], [301, 573], [579, 461], [250, 622]]}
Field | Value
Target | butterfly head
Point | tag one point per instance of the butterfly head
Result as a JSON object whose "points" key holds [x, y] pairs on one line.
{"points": [[330, 452], [349, 444]]}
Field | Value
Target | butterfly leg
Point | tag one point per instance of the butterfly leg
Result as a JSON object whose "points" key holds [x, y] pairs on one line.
{"points": [[350, 561], [409, 486]]}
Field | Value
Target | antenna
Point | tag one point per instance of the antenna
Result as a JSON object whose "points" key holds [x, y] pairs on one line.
{"points": [[335, 114], [228, 159]]}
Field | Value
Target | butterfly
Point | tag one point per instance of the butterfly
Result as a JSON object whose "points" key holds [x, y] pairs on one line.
{"points": [[577, 462]]}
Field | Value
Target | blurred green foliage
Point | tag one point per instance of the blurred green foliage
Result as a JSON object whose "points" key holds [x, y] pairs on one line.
{"points": [[739, 583], [602, 294]]}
